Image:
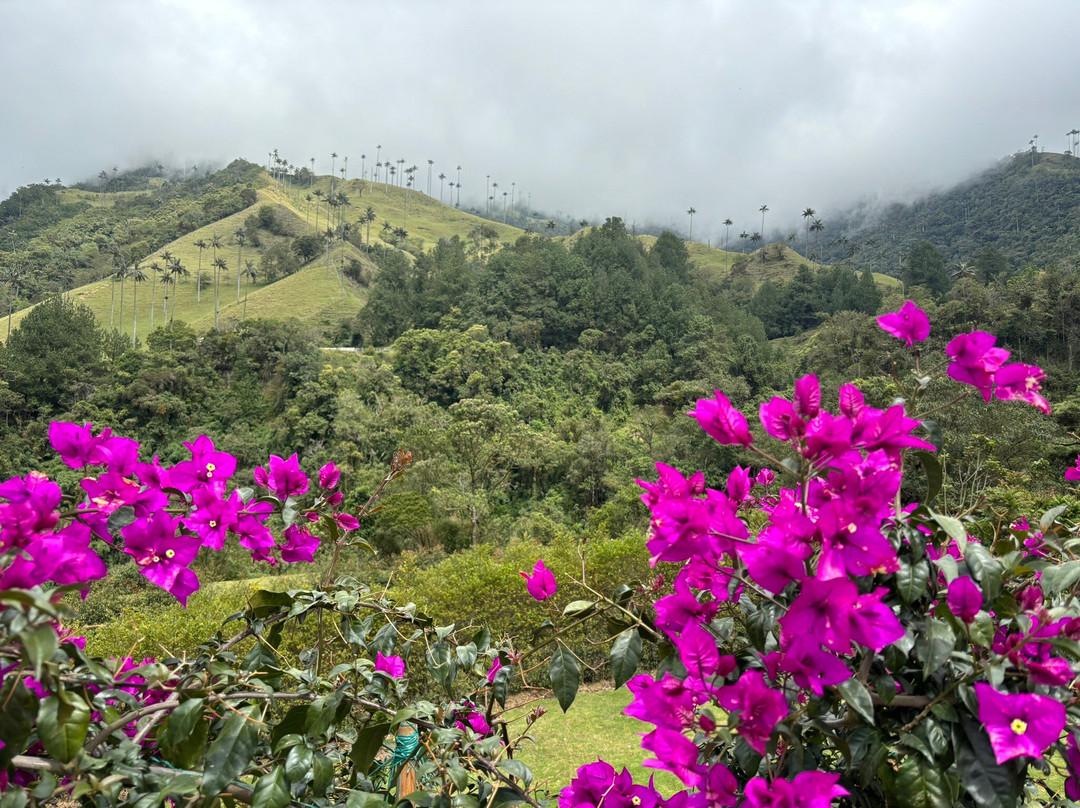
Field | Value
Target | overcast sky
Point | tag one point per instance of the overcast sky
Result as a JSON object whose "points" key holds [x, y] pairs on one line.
{"points": [[608, 107]]}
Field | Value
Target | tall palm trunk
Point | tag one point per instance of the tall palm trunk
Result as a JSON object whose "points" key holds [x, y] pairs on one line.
{"points": [[134, 315]]}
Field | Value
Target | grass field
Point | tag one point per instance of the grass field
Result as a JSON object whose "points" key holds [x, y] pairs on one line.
{"points": [[593, 727]]}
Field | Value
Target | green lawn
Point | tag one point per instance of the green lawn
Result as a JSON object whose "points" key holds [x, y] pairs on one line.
{"points": [[594, 727]]}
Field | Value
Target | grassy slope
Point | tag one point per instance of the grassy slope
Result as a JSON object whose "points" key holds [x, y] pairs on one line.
{"points": [[313, 294], [594, 727]]}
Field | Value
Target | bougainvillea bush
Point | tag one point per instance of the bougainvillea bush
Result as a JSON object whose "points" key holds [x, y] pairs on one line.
{"points": [[850, 648]]}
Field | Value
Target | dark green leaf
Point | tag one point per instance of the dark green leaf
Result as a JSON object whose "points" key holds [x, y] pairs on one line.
{"points": [[16, 719], [185, 752], [442, 665], [272, 790], [298, 764], [1056, 578], [625, 656], [934, 645], [982, 630], [953, 528], [367, 744], [264, 602], [501, 684], [917, 744], [293, 722], [911, 580], [62, 726], [121, 517], [482, 639], [39, 644], [858, 698], [932, 468], [466, 656], [565, 676], [365, 799], [231, 751], [1046, 521], [323, 711], [322, 773], [181, 721], [988, 784], [922, 784], [985, 569], [515, 768]]}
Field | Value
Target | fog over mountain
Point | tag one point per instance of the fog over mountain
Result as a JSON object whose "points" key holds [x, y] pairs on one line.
{"points": [[635, 109]]}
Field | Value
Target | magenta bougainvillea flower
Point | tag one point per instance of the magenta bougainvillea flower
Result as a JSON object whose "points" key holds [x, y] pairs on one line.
{"points": [[671, 485], [910, 324], [1020, 382], [162, 554], [597, 786], [283, 477], [329, 476], [811, 789], [392, 666], [541, 583], [213, 516], [77, 445], [1072, 758], [673, 752], [722, 421], [1073, 474], [765, 478], [1019, 724], [206, 467], [758, 707], [964, 599], [975, 360], [493, 671], [300, 545], [811, 666]]}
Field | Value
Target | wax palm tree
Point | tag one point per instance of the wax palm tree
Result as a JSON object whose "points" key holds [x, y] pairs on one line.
{"points": [[807, 215], [755, 238], [819, 228], [691, 213], [744, 236], [166, 281], [764, 209], [215, 244], [369, 217], [219, 266], [333, 159], [13, 276], [176, 271], [727, 226], [137, 277], [240, 234], [122, 273], [202, 245], [155, 271], [963, 269], [251, 273], [442, 177], [430, 163], [458, 203], [318, 198]]}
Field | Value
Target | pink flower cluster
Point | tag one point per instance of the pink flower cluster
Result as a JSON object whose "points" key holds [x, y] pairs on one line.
{"points": [[174, 511]]}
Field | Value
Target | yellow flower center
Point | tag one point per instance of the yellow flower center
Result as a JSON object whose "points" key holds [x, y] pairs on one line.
{"points": [[213, 523], [170, 553], [636, 800], [210, 469], [1019, 726]]}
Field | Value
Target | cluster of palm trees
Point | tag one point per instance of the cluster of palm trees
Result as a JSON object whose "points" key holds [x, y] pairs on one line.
{"points": [[165, 271], [810, 222]]}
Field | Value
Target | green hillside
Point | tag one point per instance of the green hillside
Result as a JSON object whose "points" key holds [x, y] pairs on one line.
{"points": [[1027, 208]]}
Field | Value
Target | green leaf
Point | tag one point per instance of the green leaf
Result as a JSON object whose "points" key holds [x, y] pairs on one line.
{"points": [[625, 656], [933, 434], [16, 719], [1046, 521], [62, 726], [466, 656], [482, 639], [858, 698], [921, 784], [442, 665], [953, 527], [264, 602], [298, 764], [579, 608], [366, 746], [515, 768], [231, 751], [501, 684], [322, 773], [918, 744], [911, 580], [982, 630], [39, 644], [934, 645], [121, 517], [932, 468], [185, 748], [272, 790], [987, 783], [1057, 578], [985, 569], [565, 676], [323, 711], [365, 799], [181, 722]]}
